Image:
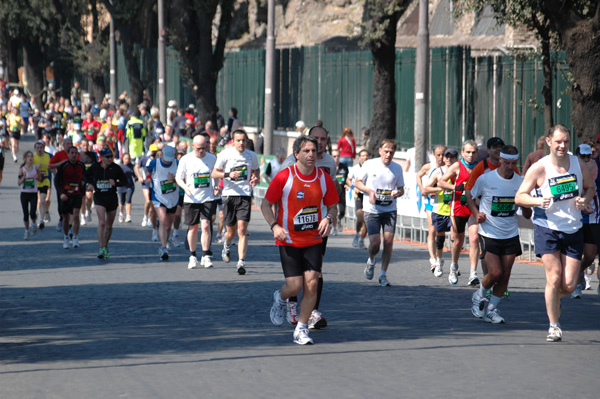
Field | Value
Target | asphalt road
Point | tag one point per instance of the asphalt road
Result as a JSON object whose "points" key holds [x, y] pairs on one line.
{"points": [[136, 327]]}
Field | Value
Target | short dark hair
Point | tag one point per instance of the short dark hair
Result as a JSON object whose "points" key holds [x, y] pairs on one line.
{"points": [[361, 151], [389, 142], [72, 147], [239, 131], [299, 142], [561, 128]]}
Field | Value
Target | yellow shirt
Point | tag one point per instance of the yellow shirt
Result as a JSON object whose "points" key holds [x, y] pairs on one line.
{"points": [[42, 160]]}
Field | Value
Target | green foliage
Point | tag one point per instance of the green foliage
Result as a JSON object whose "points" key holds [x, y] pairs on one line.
{"points": [[378, 15]]}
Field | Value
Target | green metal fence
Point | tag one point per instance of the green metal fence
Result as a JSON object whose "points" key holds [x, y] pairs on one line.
{"points": [[469, 96]]}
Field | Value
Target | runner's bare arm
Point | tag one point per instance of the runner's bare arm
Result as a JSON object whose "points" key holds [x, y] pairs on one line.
{"points": [[533, 179], [452, 172], [266, 207]]}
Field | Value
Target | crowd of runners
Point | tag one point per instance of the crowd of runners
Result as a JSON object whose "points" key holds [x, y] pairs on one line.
{"points": [[203, 177]]}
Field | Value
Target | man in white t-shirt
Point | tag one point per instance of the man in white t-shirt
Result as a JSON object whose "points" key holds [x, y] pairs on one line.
{"points": [[383, 181], [240, 170], [498, 231], [194, 177]]}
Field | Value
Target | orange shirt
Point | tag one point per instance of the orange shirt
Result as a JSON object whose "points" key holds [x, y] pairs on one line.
{"points": [[299, 200], [479, 169]]}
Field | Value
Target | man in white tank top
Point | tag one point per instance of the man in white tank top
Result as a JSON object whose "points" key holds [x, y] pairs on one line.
{"points": [[563, 189]]}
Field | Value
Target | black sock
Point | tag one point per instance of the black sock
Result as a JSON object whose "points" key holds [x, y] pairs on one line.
{"points": [[193, 253], [293, 299], [319, 290], [205, 253]]}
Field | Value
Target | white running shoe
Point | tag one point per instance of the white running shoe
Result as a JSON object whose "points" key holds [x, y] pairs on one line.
{"points": [[334, 232], [75, 242], [155, 235], [144, 221], [226, 254], [241, 270], [59, 226], [175, 241], [355, 241], [207, 261], [588, 285], [439, 268], [26, 235], [473, 280], [361, 243], [128, 219], [577, 293], [82, 219], [277, 310], [66, 243], [554, 334], [47, 218], [121, 217], [383, 281], [218, 239], [370, 269], [478, 305], [34, 229], [453, 276], [292, 312], [193, 262], [88, 215], [316, 321], [493, 316], [301, 337], [163, 253]]}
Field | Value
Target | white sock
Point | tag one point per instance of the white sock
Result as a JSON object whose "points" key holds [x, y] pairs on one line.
{"points": [[175, 232], [454, 266], [382, 273], [300, 326], [482, 291], [494, 301], [473, 272]]}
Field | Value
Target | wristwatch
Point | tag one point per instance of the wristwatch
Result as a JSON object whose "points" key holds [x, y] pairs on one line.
{"points": [[330, 219]]}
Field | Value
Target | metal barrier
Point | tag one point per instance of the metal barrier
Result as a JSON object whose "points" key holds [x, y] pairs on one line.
{"points": [[416, 229]]}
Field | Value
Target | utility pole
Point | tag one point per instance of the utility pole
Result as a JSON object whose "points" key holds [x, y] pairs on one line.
{"points": [[113, 62], [162, 84], [422, 86], [269, 79]]}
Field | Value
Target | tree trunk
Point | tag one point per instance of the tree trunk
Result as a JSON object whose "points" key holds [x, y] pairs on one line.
{"points": [[136, 87], [204, 80], [34, 71], [547, 88], [12, 66], [383, 122], [579, 38]]}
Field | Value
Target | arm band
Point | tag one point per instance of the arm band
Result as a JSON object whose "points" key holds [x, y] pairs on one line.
{"points": [[273, 225], [226, 175]]}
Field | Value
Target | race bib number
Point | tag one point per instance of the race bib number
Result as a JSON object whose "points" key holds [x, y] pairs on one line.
{"points": [[243, 172], [463, 199], [103, 185], [384, 197], [563, 187], [87, 166], [447, 197], [503, 206], [340, 178], [167, 186], [201, 180], [71, 188], [307, 219], [28, 184]]}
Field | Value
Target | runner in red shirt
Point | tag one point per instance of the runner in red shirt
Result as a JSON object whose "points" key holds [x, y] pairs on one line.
{"points": [[454, 179], [306, 199]]}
